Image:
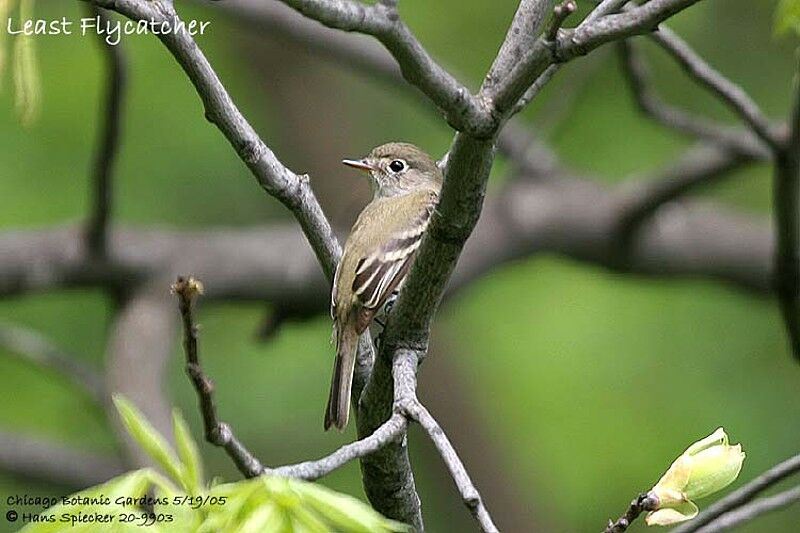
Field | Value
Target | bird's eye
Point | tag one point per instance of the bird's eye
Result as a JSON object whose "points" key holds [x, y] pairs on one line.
{"points": [[397, 165]]}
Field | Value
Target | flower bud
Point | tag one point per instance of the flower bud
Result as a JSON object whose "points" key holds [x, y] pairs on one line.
{"points": [[707, 466]]}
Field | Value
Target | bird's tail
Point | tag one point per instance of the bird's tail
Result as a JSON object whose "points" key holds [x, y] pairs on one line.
{"points": [[338, 410]]}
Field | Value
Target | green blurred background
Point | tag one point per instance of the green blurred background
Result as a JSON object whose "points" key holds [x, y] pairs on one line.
{"points": [[566, 388]]}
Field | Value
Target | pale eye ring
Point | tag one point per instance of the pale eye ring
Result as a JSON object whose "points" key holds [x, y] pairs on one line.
{"points": [[397, 165]]}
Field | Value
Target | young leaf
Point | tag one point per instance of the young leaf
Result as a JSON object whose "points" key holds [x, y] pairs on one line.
{"points": [[5, 10], [148, 438], [345, 512], [189, 455], [99, 499], [787, 17], [27, 86]]}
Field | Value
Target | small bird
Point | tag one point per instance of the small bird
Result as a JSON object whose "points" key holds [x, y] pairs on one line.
{"points": [[378, 254]]}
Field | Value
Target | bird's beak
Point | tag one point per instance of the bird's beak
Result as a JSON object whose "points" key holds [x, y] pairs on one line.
{"points": [[360, 164]]}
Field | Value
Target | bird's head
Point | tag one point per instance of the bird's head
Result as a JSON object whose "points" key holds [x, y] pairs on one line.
{"points": [[398, 168]]}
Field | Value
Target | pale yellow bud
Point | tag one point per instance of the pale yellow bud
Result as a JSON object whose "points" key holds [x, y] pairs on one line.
{"points": [[707, 466]]}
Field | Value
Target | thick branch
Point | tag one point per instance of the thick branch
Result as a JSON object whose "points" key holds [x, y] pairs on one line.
{"points": [[109, 140], [701, 165], [34, 458]]}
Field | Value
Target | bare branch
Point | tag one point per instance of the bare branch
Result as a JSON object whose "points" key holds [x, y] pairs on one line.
{"points": [[217, 432], [576, 42], [462, 110], [38, 459], [742, 495], [390, 431], [753, 510], [560, 14], [786, 200], [405, 370], [293, 190], [109, 140], [469, 494], [643, 503], [521, 35], [701, 165], [35, 348], [638, 78], [724, 89], [606, 7]]}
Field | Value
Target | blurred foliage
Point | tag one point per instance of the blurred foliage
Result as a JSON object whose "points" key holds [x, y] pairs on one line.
{"points": [[787, 17], [587, 381], [260, 505]]}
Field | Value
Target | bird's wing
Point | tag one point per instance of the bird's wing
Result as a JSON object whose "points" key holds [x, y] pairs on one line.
{"points": [[380, 273]]}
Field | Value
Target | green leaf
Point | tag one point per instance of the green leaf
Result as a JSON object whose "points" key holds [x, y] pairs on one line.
{"points": [[5, 9], [99, 499], [345, 512], [149, 439], [27, 86], [787, 17], [189, 455]]}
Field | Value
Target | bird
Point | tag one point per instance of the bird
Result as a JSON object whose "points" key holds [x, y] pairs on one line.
{"points": [[378, 254]]}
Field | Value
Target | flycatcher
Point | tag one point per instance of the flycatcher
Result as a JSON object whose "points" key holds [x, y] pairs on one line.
{"points": [[378, 254]]}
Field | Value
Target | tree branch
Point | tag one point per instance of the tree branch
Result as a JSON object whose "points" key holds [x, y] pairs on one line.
{"points": [[743, 495], [217, 432], [643, 503], [32, 347], [109, 140], [54, 463], [638, 78], [701, 165], [728, 92], [390, 431], [560, 14], [786, 200], [753, 510], [291, 189], [461, 109]]}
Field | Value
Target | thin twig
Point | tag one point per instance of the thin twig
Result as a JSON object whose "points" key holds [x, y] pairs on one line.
{"points": [[606, 7], [536, 88], [720, 86], [31, 346], [217, 432], [390, 431], [742, 495], [406, 401], [560, 14], [108, 141], [753, 510], [643, 503], [637, 76]]}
